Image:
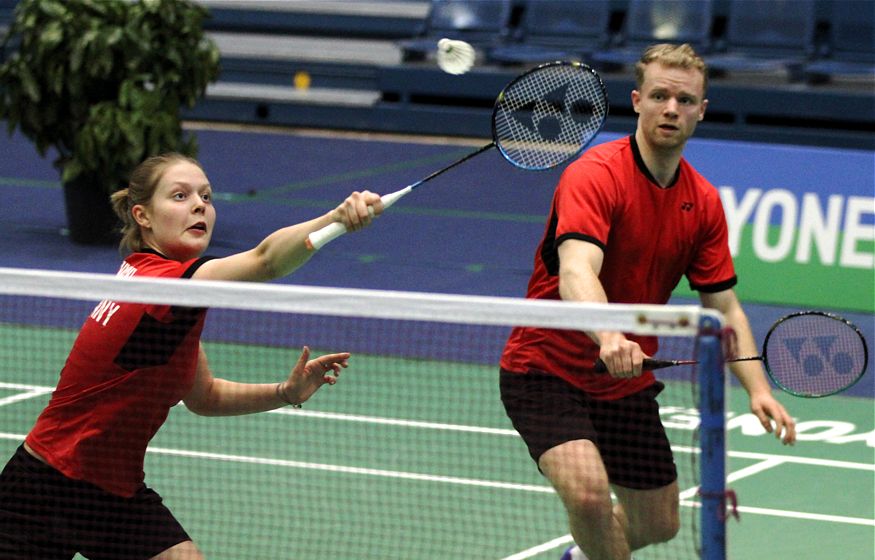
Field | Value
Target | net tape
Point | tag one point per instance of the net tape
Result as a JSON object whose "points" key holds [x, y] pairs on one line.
{"points": [[665, 320]]}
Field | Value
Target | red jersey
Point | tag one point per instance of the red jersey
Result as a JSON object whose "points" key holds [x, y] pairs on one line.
{"points": [[650, 237], [129, 364]]}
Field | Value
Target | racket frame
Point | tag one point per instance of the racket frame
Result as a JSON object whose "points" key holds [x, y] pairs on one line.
{"points": [[524, 75], [833, 316], [654, 364], [318, 239]]}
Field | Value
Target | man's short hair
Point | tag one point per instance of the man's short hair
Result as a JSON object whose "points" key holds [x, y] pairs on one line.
{"points": [[673, 56]]}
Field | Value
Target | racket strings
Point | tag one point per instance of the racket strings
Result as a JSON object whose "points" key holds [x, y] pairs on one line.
{"points": [[815, 354], [549, 114]]}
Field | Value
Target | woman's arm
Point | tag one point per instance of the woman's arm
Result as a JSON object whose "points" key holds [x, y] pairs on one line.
{"points": [[211, 396], [284, 250]]}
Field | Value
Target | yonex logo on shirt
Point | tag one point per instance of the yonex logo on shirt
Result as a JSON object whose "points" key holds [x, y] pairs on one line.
{"points": [[687, 206]]}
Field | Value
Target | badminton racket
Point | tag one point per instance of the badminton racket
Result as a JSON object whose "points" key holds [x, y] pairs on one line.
{"points": [[541, 119], [807, 354]]}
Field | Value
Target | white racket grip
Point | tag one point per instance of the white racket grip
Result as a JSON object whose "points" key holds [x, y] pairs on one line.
{"points": [[320, 238], [332, 231], [391, 198]]}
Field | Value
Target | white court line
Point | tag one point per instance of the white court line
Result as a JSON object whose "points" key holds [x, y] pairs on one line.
{"points": [[689, 492], [36, 390], [30, 391], [807, 516], [380, 420], [545, 547], [396, 422], [352, 470], [334, 468], [804, 460], [756, 468], [766, 462]]}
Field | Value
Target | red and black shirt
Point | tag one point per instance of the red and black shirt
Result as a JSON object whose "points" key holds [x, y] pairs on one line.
{"points": [[129, 365], [650, 236]]}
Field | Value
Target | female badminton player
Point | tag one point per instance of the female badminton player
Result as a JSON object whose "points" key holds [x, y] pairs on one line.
{"points": [[77, 482]]}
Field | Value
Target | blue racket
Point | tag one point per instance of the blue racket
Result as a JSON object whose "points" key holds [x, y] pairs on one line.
{"points": [[807, 354], [541, 119]]}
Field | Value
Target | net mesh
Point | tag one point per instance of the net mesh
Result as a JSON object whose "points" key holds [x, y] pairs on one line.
{"points": [[410, 455], [549, 114]]}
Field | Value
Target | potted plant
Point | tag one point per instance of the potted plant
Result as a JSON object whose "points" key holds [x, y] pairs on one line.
{"points": [[101, 83]]}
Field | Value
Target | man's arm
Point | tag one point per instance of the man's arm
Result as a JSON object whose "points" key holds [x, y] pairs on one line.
{"points": [[579, 265], [750, 373]]}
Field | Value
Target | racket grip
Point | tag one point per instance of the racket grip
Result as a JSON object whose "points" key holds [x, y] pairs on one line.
{"points": [[322, 237], [332, 231], [391, 198], [649, 363]]}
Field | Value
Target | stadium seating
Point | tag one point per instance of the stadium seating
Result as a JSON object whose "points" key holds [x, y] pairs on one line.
{"points": [[7, 13], [850, 48], [766, 37], [314, 52], [556, 30], [482, 23], [7, 9], [340, 63], [392, 19], [659, 21]]}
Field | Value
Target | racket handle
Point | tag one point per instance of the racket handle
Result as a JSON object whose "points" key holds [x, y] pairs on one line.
{"points": [[649, 363], [332, 231], [322, 237]]}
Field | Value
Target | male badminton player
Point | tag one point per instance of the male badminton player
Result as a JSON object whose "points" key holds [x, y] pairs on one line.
{"points": [[77, 482], [629, 218]]}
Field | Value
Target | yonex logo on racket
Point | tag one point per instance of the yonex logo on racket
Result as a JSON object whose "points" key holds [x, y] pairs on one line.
{"points": [[550, 116], [822, 358]]}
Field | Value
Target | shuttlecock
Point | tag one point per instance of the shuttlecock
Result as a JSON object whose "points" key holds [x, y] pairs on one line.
{"points": [[455, 57]]}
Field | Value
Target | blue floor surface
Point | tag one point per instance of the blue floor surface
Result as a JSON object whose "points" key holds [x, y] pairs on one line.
{"points": [[471, 231]]}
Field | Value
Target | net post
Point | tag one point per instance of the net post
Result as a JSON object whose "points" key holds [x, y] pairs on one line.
{"points": [[712, 399]]}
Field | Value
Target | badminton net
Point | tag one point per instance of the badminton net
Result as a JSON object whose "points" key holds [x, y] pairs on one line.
{"points": [[409, 456]]}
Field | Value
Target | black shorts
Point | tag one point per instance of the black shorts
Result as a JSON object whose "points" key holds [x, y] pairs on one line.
{"points": [[548, 411], [45, 515]]}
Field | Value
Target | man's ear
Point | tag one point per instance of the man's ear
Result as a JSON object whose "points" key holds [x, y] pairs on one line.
{"points": [[141, 215], [702, 110], [636, 97]]}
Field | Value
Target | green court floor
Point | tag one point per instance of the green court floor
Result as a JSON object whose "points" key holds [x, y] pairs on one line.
{"points": [[414, 459]]}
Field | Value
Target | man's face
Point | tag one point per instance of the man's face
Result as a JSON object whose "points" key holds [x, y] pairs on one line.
{"points": [[669, 105]]}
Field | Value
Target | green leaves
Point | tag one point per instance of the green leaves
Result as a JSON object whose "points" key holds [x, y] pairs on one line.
{"points": [[103, 81]]}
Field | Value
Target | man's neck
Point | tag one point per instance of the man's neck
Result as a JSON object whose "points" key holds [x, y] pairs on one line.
{"points": [[662, 163]]}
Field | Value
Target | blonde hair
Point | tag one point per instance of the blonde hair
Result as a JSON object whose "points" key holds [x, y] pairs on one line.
{"points": [[141, 187], [673, 56]]}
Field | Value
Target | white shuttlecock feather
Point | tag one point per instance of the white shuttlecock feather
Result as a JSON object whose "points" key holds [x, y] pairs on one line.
{"points": [[455, 57]]}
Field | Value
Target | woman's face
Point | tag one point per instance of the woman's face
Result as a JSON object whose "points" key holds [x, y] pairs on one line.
{"points": [[178, 221]]}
